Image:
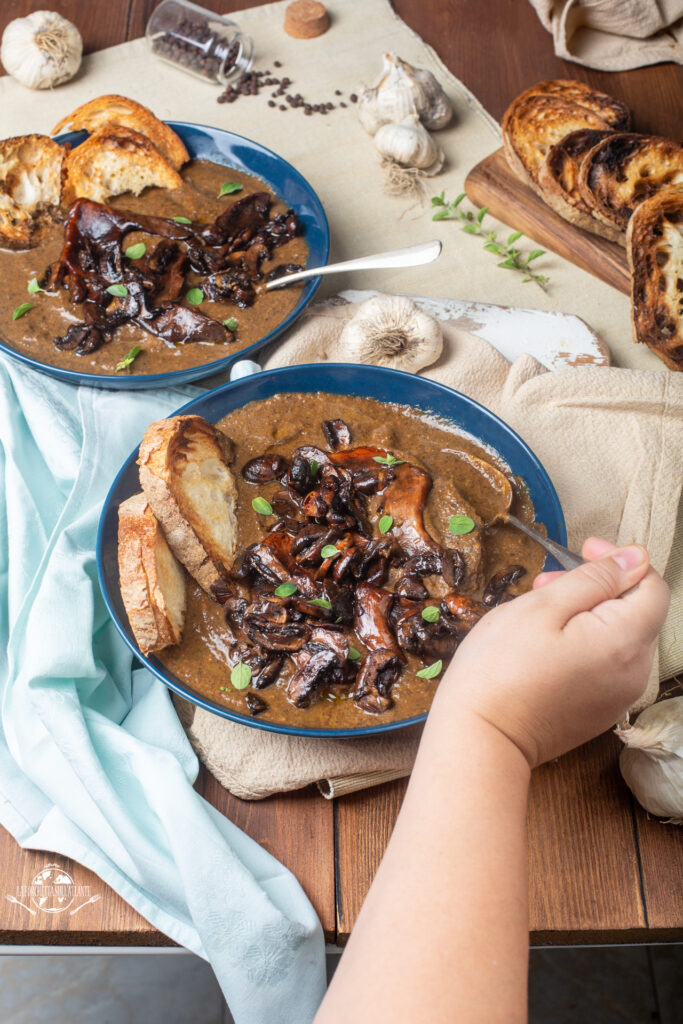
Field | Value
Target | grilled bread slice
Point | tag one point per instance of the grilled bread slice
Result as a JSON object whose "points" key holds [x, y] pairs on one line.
{"points": [[558, 179], [654, 244], [31, 177], [624, 169], [152, 581], [116, 160], [184, 472], [545, 113], [105, 111]]}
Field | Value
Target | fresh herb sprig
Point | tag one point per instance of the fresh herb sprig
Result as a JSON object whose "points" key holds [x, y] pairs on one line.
{"points": [[472, 224]]}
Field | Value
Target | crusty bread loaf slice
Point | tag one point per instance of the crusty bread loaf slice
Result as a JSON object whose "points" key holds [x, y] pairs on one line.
{"points": [[545, 113], [116, 160], [31, 173], [104, 111], [624, 169], [558, 179], [185, 474], [152, 581], [654, 244]]}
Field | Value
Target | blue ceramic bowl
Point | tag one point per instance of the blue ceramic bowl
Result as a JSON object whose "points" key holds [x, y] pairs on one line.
{"points": [[221, 147], [342, 379]]}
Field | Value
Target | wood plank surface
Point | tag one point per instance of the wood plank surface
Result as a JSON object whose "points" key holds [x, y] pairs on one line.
{"points": [[588, 880], [491, 183]]}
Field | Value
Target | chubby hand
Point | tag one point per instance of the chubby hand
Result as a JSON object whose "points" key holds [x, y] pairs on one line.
{"points": [[561, 664]]}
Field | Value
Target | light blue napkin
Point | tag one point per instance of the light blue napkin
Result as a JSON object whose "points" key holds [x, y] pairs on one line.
{"points": [[93, 761]]}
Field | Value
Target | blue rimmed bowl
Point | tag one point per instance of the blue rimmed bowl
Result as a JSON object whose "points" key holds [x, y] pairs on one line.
{"points": [[238, 153], [341, 379]]}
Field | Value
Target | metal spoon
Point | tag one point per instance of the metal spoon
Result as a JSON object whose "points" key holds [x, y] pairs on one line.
{"points": [[413, 256], [502, 487]]}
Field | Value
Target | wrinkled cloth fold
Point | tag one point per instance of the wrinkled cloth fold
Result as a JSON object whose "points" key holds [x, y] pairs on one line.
{"points": [[94, 763], [611, 441], [614, 35]]}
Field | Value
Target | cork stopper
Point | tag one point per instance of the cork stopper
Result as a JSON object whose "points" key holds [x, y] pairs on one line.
{"points": [[306, 19]]}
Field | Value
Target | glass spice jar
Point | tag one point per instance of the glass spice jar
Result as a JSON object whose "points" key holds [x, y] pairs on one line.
{"points": [[199, 41]]}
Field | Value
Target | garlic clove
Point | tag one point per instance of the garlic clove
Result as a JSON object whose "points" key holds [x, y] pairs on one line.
{"points": [[652, 759], [408, 143], [399, 91], [41, 50], [390, 330]]}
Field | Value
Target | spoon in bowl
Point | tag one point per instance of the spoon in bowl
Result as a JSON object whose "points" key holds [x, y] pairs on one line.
{"points": [[413, 256], [500, 511]]}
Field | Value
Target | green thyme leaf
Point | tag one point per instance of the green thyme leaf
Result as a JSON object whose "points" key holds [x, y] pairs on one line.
{"points": [[32, 287], [438, 200], [385, 524], [228, 187], [286, 590], [388, 460], [535, 254], [136, 252], [231, 324], [330, 551], [513, 237], [353, 654], [128, 359], [460, 524], [22, 310], [182, 220], [118, 290], [195, 296], [314, 467], [240, 677], [441, 215], [321, 602], [471, 229], [431, 671], [430, 613], [263, 507], [482, 213]]}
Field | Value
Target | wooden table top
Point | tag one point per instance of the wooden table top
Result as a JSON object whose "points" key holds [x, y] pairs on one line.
{"points": [[601, 870]]}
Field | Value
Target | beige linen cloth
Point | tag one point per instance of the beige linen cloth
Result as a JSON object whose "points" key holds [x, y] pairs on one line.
{"points": [[614, 35], [340, 161], [611, 441]]}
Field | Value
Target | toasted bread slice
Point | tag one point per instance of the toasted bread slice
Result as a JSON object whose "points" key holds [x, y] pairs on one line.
{"points": [[31, 174], [624, 169], [614, 112], [654, 243], [558, 179], [545, 113], [116, 160], [152, 581], [185, 474], [105, 111]]}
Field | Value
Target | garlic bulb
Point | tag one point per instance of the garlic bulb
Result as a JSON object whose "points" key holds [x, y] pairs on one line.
{"points": [[408, 143], [41, 50], [399, 91], [652, 761], [389, 330]]}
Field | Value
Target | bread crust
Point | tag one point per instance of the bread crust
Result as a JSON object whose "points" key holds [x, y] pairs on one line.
{"points": [[531, 126], [558, 181], [104, 111], [654, 245], [613, 112], [185, 474], [32, 172], [114, 160], [623, 170], [151, 580]]}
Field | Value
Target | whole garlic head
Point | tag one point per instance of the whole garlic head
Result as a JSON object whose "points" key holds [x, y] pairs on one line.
{"points": [[399, 91], [390, 330], [408, 143], [41, 50], [652, 761]]}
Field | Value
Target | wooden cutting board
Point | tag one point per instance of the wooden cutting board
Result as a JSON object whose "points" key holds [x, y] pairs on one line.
{"points": [[491, 183]]}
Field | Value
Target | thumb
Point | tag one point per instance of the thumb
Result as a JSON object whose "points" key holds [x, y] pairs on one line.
{"points": [[606, 578]]}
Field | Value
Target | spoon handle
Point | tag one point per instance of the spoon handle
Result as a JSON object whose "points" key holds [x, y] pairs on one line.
{"points": [[566, 558], [413, 256]]}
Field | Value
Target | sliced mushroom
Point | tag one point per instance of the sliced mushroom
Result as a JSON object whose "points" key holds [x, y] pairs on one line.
{"points": [[337, 433], [379, 672], [265, 468], [496, 589], [307, 679], [371, 618], [256, 704], [405, 500]]}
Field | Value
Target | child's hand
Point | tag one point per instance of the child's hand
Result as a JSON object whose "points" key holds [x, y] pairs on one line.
{"points": [[561, 664]]}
